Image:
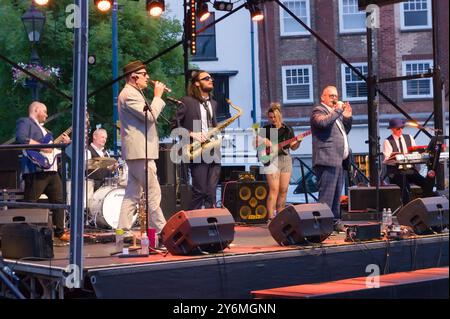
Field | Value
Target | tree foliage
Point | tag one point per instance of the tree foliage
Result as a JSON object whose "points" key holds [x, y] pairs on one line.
{"points": [[140, 37]]}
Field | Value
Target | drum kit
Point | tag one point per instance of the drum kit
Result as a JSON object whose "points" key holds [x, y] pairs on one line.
{"points": [[103, 205]]}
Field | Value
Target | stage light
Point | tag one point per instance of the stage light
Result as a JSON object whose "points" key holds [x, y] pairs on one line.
{"points": [[155, 7], [41, 2], [223, 6], [255, 10], [103, 5], [193, 28], [202, 10]]}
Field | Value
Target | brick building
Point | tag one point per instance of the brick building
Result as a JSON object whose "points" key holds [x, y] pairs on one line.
{"points": [[294, 66]]}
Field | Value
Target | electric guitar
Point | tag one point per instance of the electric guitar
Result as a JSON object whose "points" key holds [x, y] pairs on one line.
{"points": [[46, 160], [266, 154]]}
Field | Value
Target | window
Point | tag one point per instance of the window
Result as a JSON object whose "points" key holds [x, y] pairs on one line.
{"points": [[206, 41], [420, 88], [289, 26], [350, 18], [353, 87], [297, 83], [415, 14]]}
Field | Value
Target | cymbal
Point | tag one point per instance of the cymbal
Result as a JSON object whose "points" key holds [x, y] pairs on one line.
{"points": [[100, 162]]}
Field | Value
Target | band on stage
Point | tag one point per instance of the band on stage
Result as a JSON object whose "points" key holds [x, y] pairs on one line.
{"points": [[134, 175]]}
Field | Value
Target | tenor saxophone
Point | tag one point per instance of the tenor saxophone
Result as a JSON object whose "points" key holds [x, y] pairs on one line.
{"points": [[196, 148]]}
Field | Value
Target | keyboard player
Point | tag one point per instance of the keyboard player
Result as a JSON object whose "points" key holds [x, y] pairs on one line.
{"points": [[398, 143]]}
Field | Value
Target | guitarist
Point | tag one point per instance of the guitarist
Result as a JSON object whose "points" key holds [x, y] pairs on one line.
{"points": [[38, 181], [278, 171]]}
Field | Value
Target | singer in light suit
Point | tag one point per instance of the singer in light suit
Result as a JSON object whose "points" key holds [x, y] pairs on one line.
{"points": [[330, 121], [131, 103]]}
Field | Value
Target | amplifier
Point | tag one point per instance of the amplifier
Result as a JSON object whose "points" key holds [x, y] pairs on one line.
{"points": [[362, 231], [365, 198], [26, 241], [25, 215]]}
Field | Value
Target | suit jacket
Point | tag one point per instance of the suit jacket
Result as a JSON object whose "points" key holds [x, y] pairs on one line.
{"points": [[189, 112], [132, 124], [328, 141], [26, 129]]}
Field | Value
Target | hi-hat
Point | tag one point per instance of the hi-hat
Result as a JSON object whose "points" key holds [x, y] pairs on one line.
{"points": [[100, 162]]}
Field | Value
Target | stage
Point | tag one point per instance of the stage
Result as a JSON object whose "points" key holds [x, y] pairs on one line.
{"points": [[254, 261]]}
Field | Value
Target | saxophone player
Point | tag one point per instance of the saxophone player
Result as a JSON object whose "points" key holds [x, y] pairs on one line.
{"points": [[197, 114]]}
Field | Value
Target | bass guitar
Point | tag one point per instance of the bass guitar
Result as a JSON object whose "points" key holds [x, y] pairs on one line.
{"points": [[267, 154]]}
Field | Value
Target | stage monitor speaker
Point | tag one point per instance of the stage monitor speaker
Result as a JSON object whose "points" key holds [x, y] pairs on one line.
{"points": [[210, 230], [302, 224], [165, 168], [425, 215], [246, 200], [363, 198], [26, 241]]}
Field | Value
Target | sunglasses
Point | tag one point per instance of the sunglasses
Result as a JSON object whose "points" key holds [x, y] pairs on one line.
{"points": [[207, 78], [143, 73]]}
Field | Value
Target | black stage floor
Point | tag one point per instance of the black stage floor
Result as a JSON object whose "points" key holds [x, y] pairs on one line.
{"points": [[253, 261]]}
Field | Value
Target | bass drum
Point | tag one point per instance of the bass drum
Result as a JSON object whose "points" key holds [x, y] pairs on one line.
{"points": [[90, 190], [104, 208]]}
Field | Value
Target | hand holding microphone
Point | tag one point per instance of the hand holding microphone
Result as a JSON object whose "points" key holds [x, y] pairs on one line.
{"points": [[159, 88], [166, 89]]}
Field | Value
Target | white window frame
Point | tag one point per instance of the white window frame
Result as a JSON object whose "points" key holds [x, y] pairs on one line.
{"points": [[344, 86], [308, 14], [419, 27], [341, 21], [405, 91], [311, 79]]}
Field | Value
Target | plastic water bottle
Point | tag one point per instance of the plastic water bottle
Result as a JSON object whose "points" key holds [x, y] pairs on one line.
{"points": [[389, 217], [144, 244], [384, 216], [119, 239]]}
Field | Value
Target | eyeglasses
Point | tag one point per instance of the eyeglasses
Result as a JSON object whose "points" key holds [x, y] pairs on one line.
{"points": [[333, 95], [207, 78]]}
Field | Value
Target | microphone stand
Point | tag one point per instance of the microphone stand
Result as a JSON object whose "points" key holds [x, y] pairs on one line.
{"points": [[147, 108]]}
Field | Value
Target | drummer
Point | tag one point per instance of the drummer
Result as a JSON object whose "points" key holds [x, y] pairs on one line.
{"points": [[97, 149]]}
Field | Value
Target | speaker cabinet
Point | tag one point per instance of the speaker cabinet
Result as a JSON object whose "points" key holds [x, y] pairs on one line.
{"points": [[168, 201], [425, 215], [187, 232], [365, 198], [10, 169], [165, 168], [26, 240], [302, 224], [246, 200]]}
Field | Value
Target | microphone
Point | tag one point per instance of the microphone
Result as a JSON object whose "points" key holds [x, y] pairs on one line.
{"points": [[171, 99], [166, 89]]}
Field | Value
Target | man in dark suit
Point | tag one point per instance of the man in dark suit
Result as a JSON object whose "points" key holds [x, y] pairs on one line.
{"points": [[330, 123], [38, 181], [197, 115]]}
